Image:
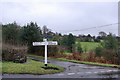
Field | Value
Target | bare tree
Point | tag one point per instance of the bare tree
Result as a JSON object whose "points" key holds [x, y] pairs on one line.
{"points": [[45, 29]]}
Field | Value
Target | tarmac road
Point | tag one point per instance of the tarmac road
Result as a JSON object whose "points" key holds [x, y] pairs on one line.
{"points": [[73, 70]]}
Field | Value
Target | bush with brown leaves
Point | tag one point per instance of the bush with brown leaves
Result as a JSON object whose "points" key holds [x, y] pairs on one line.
{"points": [[9, 52]]}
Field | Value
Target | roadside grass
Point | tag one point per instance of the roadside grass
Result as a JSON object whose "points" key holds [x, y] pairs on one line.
{"points": [[33, 67], [83, 62], [68, 54], [32, 55], [90, 63], [88, 46]]}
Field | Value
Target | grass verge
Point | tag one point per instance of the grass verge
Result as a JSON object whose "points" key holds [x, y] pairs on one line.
{"points": [[32, 55], [83, 62], [91, 63], [68, 54], [33, 67]]}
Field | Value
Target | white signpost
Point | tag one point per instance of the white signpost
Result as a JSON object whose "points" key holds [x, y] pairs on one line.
{"points": [[45, 43]]}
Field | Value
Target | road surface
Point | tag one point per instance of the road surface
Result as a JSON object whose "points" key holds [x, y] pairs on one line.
{"points": [[73, 70]]}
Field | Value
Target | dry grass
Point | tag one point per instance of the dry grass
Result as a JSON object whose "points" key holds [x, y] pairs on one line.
{"points": [[15, 47]]}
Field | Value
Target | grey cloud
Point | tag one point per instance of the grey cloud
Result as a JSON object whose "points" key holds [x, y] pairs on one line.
{"points": [[67, 16]]}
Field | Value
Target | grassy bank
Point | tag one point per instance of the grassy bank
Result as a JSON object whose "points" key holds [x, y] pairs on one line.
{"points": [[33, 67], [83, 62], [90, 63]]}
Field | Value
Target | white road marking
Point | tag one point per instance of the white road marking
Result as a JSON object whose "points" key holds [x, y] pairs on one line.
{"points": [[80, 66], [110, 70], [88, 72], [102, 71], [79, 73], [60, 74], [95, 72], [71, 73], [115, 70]]}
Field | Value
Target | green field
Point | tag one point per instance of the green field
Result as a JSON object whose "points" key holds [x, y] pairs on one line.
{"points": [[88, 46], [33, 67]]}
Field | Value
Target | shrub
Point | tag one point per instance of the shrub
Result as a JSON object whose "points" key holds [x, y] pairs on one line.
{"points": [[78, 48], [96, 40], [84, 56], [76, 56], [53, 51], [98, 51], [100, 59], [67, 41], [14, 53], [91, 57], [38, 50], [110, 42], [112, 56], [118, 57], [61, 52], [109, 50]]}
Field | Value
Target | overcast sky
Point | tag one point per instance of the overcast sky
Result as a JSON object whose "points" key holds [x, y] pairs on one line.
{"points": [[61, 16]]}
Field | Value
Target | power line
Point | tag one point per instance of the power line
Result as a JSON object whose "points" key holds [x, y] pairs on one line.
{"points": [[107, 25]]}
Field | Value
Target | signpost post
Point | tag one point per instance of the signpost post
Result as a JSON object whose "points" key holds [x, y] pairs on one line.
{"points": [[45, 43], [45, 52]]}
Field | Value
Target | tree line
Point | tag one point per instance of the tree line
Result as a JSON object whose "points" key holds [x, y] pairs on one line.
{"points": [[14, 34]]}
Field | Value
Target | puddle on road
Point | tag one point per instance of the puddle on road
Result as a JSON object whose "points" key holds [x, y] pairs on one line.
{"points": [[46, 68]]}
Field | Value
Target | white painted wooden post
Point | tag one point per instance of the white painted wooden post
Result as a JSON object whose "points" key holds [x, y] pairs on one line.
{"points": [[45, 43], [45, 52]]}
